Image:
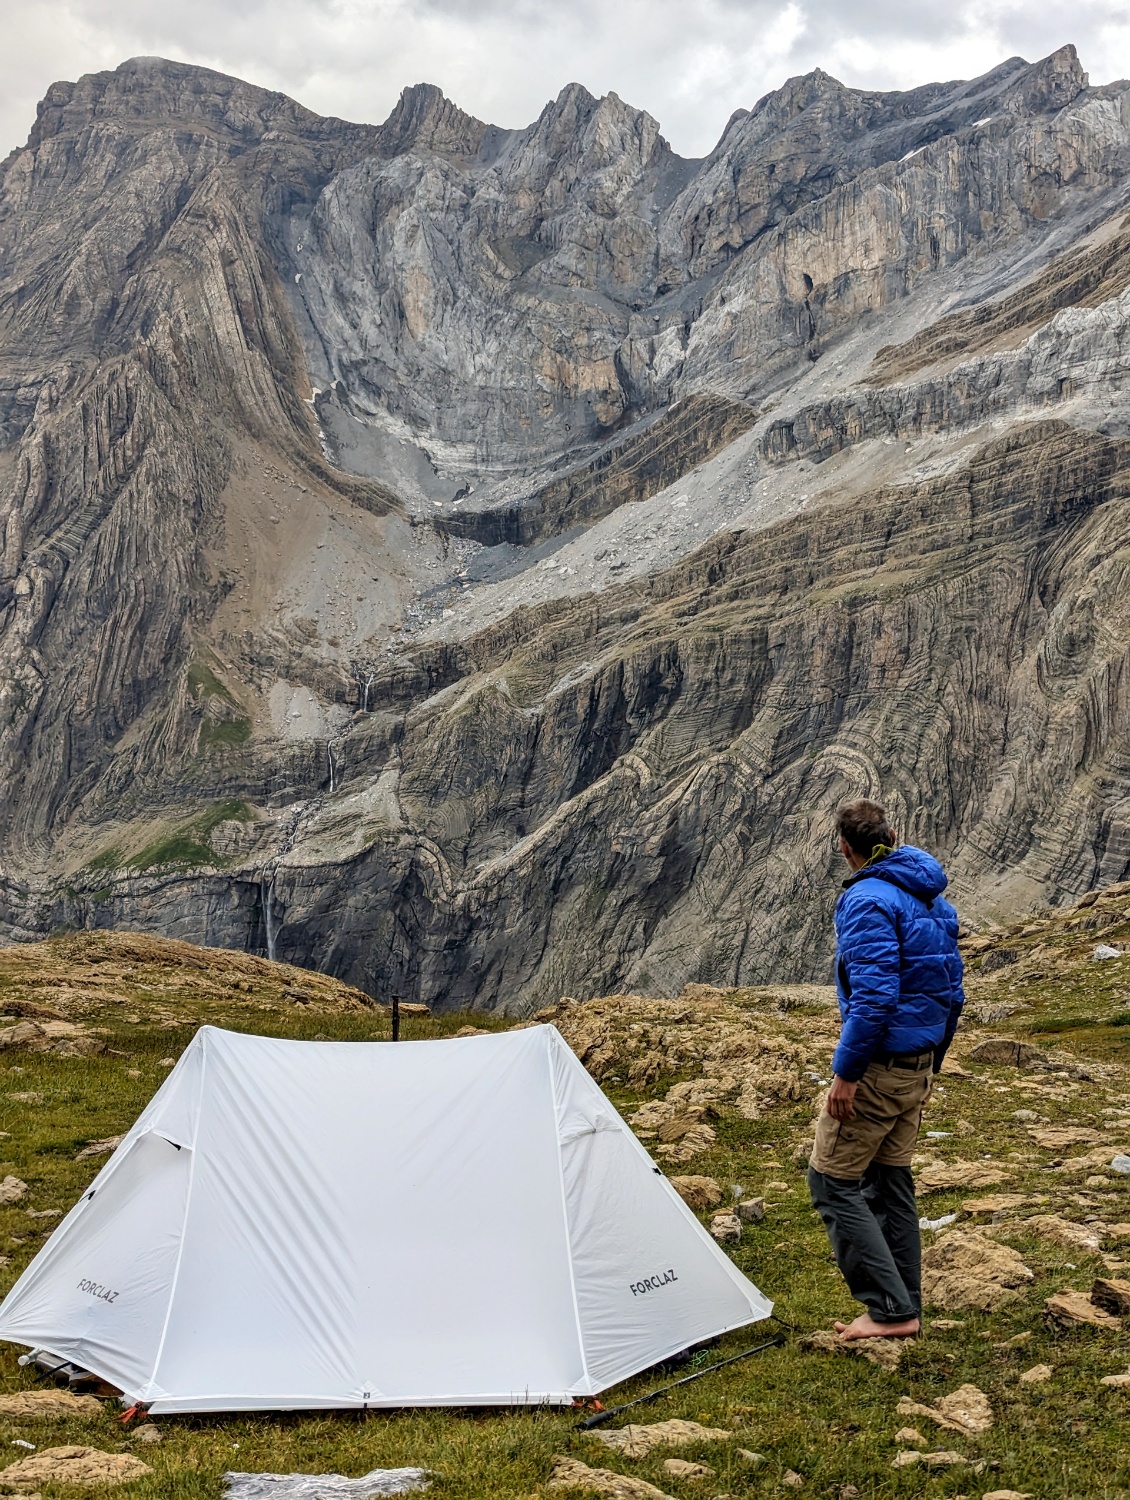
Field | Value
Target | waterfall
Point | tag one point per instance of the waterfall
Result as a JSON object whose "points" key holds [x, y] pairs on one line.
{"points": [[267, 886], [330, 764]]}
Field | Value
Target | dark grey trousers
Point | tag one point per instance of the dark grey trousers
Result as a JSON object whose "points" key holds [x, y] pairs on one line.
{"points": [[872, 1222]]}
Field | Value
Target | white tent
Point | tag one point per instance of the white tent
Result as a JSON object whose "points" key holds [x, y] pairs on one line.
{"points": [[345, 1224]]}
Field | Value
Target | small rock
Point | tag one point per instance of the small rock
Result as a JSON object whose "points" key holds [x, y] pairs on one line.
{"points": [[1025, 1116], [751, 1211], [684, 1468], [1056, 1137], [1017, 1341], [726, 1228], [1121, 1165], [944, 1324], [748, 1456], [1112, 1294], [12, 1189], [148, 1432], [639, 1438], [1117, 1380], [792, 1479], [1036, 1375], [1069, 1309], [993, 1203], [778, 1187], [910, 1435], [100, 1148], [167, 1062], [44, 1213], [940, 1460], [1007, 1495], [1101, 953], [698, 1192], [965, 1410]]}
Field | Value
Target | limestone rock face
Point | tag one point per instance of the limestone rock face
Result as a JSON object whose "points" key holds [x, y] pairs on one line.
{"points": [[473, 561]]}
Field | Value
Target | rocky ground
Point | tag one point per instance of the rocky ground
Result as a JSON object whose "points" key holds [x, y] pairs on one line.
{"points": [[1018, 1384]]}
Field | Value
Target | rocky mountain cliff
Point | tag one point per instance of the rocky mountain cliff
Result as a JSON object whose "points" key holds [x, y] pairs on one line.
{"points": [[472, 561]]}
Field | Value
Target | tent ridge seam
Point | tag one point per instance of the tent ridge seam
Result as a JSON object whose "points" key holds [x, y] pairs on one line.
{"points": [[557, 1040], [153, 1389]]}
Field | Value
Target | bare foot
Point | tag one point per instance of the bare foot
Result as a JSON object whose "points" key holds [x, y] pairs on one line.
{"points": [[865, 1327]]}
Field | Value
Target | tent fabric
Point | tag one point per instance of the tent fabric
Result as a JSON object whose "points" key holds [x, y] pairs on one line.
{"points": [[359, 1224]]}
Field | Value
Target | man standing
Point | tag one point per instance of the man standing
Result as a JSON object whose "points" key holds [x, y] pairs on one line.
{"points": [[898, 976]]}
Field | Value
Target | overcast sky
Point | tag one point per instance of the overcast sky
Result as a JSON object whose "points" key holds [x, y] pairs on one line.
{"points": [[691, 63]]}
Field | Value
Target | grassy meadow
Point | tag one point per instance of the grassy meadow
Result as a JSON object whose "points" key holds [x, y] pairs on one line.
{"points": [[827, 1418]]}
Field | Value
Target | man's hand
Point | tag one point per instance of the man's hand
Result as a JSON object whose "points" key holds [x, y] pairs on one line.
{"points": [[841, 1099]]}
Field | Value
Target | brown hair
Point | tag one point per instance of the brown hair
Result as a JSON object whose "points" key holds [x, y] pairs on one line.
{"points": [[864, 826]]}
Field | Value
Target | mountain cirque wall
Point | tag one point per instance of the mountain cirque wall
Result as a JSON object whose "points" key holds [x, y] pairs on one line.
{"points": [[862, 368]]}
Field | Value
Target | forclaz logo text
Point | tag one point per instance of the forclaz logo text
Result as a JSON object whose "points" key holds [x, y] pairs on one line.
{"points": [[652, 1283], [96, 1289]]}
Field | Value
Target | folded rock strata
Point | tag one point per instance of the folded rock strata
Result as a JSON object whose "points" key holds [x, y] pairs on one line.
{"points": [[470, 562]]}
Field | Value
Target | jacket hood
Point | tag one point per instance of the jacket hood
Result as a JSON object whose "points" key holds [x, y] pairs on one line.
{"points": [[911, 869]]}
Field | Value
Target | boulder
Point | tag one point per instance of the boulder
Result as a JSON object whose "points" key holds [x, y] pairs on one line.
{"points": [[12, 1189], [886, 1353], [77, 1466], [1065, 1232], [1006, 1051], [52, 1405], [965, 1269], [1059, 1137], [698, 1192], [726, 1228], [965, 1410], [1112, 1294], [1070, 1309], [638, 1438], [571, 1474], [751, 1210], [937, 1176]]}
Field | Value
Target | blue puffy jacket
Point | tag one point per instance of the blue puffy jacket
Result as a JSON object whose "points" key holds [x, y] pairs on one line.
{"points": [[898, 971]]}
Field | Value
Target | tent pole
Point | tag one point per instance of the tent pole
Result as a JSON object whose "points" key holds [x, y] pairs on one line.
{"points": [[396, 1018], [600, 1417]]}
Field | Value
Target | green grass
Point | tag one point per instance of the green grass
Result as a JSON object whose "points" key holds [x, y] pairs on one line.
{"points": [[203, 683], [829, 1418], [224, 732], [187, 844], [109, 859]]}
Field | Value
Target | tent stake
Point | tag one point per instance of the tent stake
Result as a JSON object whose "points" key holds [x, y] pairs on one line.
{"points": [[600, 1417]]}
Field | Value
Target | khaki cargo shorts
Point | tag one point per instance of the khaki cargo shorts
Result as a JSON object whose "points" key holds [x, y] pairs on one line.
{"points": [[888, 1115]]}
